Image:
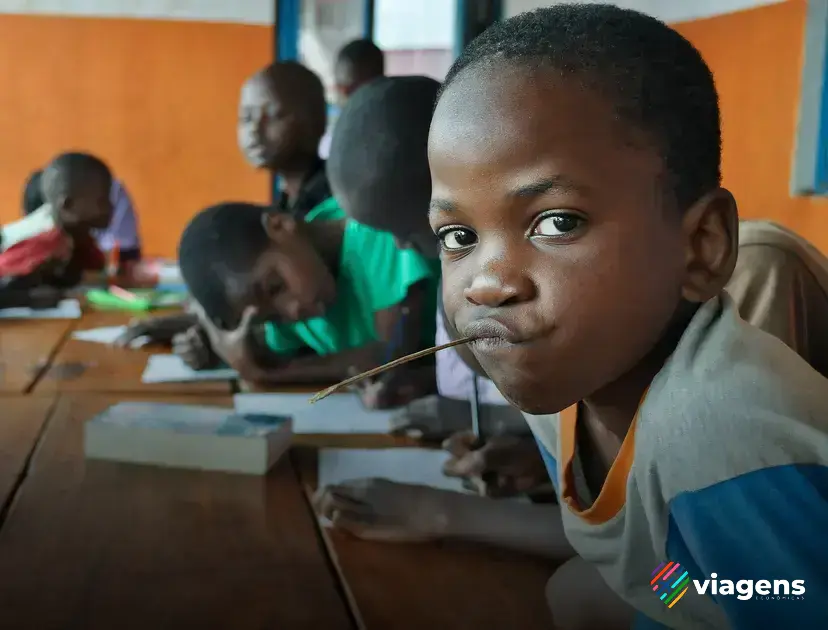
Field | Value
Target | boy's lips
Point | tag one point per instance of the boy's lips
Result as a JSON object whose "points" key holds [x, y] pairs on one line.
{"points": [[492, 334]]}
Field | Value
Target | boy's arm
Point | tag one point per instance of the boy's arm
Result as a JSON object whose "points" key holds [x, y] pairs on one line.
{"points": [[762, 526], [399, 325], [378, 509]]}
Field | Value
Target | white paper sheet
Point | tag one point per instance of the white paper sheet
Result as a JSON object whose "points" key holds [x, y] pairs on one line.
{"points": [[67, 309], [107, 335], [169, 368], [404, 465], [336, 414]]}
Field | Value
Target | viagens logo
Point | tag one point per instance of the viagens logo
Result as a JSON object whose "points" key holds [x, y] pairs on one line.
{"points": [[670, 581]]}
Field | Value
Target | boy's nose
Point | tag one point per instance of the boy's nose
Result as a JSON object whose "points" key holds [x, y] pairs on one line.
{"points": [[493, 290]]}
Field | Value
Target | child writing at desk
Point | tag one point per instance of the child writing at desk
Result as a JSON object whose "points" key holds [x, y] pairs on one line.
{"points": [[286, 301], [575, 153], [53, 246]]}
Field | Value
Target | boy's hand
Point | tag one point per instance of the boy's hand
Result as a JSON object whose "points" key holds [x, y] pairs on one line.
{"points": [[514, 464], [395, 388], [194, 349], [381, 510], [233, 346], [44, 297]]}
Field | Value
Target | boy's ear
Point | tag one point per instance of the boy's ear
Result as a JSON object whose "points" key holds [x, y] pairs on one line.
{"points": [[278, 224], [64, 203], [711, 237]]}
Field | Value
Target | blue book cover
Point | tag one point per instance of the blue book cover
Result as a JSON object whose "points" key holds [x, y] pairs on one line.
{"points": [[190, 419]]}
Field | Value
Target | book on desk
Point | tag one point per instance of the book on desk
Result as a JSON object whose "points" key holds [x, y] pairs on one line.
{"points": [[188, 436]]}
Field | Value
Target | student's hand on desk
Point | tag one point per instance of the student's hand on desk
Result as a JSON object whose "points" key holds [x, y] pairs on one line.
{"points": [[233, 346], [395, 388], [194, 349], [513, 465], [44, 297], [382, 510]]}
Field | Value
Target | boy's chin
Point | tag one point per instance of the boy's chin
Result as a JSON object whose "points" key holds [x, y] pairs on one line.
{"points": [[531, 393]]}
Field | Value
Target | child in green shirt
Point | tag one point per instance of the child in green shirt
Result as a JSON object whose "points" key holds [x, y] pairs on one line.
{"points": [[332, 295]]}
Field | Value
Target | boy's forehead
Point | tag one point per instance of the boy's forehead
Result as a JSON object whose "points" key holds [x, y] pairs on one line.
{"points": [[259, 89]]}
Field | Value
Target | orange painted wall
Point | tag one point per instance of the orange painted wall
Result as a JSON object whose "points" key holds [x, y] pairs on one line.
{"points": [[756, 57], [156, 99]]}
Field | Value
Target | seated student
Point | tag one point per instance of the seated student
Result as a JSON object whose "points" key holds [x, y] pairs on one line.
{"points": [[365, 171], [331, 294], [122, 230], [53, 245], [587, 238], [282, 117]]}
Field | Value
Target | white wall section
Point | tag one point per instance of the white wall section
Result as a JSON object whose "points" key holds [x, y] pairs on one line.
{"points": [[232, 11]]}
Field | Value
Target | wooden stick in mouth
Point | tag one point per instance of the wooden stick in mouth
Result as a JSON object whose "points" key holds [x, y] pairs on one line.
{"points": [[388, 366]]}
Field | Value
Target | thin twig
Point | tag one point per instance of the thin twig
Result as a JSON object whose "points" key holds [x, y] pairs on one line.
{"points": [[388, 366]]}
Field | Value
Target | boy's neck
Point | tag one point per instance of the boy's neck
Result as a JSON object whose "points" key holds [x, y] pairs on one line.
{"points": [[615, 405], [326, 237], [293, 176]]}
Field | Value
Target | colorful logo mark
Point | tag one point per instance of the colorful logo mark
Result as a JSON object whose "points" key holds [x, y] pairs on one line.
{"points": [[670, 582]]}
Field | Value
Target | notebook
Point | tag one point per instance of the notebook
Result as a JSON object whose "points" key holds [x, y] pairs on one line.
{"points": [[107, 335], [336, 414], [187, 436], [66, 309], [419, 466], [170, 368]]}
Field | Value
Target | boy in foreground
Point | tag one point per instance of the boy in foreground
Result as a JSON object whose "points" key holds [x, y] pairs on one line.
{"points": [[575, 154]]}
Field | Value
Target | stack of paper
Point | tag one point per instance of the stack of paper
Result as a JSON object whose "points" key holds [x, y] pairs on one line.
{"points": [[403, 465], [108, 335], [67, 309], [187, 436], [170, 368], [336, 414]]}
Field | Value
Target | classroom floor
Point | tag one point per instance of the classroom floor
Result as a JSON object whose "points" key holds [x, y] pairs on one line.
{"points": [[98, 546]]}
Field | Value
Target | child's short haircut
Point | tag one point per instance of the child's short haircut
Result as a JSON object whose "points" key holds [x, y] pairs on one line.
{"points": [[68, 171], [219, 242], [378, 163], [363, 57], [301, 86], [654, 77]]}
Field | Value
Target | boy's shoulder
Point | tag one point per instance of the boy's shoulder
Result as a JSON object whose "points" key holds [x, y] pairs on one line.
{"points": [[730, 401]]}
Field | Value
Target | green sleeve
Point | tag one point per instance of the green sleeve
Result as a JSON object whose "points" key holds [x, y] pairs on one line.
{"points": [[384, 271], [281, 339]]}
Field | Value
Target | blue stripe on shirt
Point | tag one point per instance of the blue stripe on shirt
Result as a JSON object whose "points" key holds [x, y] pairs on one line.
{"points": [[550, 462], [770, 524]]}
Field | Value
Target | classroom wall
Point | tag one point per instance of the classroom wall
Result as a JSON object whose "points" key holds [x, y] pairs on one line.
{"points": [[151, 87], [756, 57]]}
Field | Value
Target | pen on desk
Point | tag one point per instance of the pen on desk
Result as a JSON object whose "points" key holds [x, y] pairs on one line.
{"points": [[475, 411]]}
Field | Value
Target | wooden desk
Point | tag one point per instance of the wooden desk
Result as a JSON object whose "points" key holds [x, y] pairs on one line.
{"points": [[106, 369], [100, 546], [26, 348], [410, 587]]}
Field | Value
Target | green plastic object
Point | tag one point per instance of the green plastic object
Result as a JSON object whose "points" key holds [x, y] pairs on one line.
{"points": [[145, 300]]}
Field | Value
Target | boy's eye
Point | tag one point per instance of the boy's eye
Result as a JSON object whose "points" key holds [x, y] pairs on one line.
{"points": [[556, 224], [457, 238]]}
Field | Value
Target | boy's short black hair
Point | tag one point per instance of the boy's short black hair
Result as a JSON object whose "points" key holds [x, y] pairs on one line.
{"points": [[378, 160], [302, 87], [656, 79], [32, 193], [65, 173], [221, 241], [364, 57]]}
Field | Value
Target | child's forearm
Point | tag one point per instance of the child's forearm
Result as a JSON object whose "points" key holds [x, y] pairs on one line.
{"points": [[528, 528], [312, 368]]}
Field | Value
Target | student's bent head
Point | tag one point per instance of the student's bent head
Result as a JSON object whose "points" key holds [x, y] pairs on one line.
{"points": [[357, 63], [282, 116], [575, 159], [78, 187], [378, 162], [236, 255]]}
